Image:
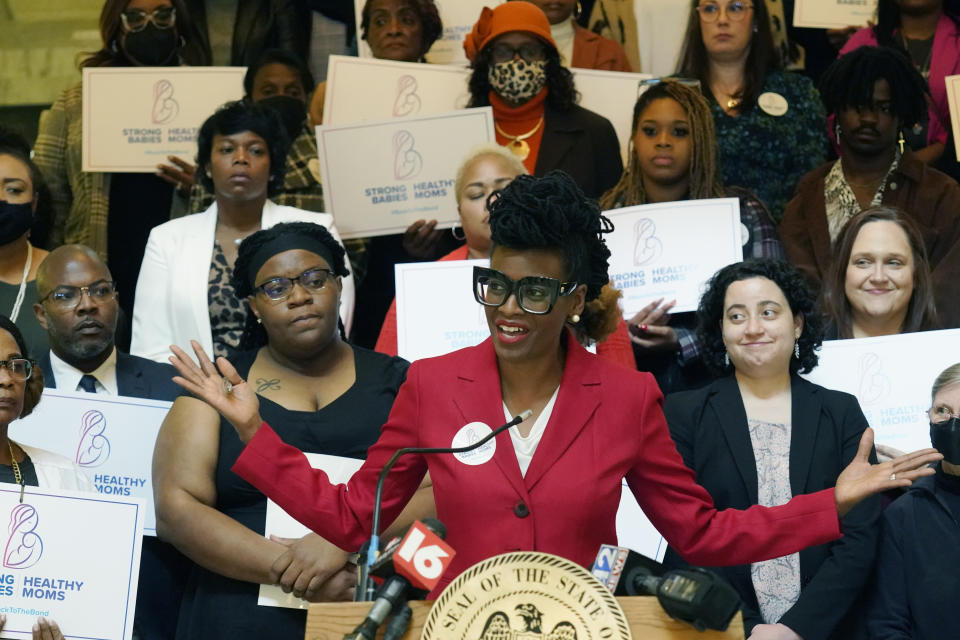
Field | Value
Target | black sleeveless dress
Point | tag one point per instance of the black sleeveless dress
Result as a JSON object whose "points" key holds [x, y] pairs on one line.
{"points": [[218, 607]]}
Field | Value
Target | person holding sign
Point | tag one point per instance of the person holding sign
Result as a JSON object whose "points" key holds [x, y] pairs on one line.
{"points": [[761, 434], [184, 285], [770, 124], [928, 31], [93, 208], [875, 93], [580, 47], [517, 71], [673, 157], [484, 172], [915, 585], [554, 483], [880, 282], [324, 395]]}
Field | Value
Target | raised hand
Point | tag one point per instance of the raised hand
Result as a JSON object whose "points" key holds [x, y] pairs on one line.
{"points": [[861, 479], [179, 173], [649, 327], [229, 394]]}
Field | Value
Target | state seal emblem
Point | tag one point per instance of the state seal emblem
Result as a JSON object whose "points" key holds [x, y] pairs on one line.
{"points": [[526, 596]]}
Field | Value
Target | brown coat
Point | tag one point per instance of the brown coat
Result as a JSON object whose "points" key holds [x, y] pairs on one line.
{"points": [[592, 51], [929, 197]]}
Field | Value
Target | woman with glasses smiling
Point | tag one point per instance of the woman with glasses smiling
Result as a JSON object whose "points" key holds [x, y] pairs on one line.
{"points": [[554, 482], [770, 124], [324, 396], [517, 71]]}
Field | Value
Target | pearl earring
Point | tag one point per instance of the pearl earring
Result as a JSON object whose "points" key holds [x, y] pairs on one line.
{"points": [[575, 318]]}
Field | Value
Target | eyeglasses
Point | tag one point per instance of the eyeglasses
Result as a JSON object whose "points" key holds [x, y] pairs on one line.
{"points": [[535, 295], [66, 297], [20, 369], [135, 20], [940, 414], [530, 52], [280, 288], [736, 11]]}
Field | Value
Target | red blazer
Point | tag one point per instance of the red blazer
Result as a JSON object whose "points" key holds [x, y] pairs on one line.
{"points": [[593, 51], [607, 425]]}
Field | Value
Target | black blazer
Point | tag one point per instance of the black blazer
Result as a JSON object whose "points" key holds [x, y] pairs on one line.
{"points": [[709, 427], [136, 377], [582, 144]]}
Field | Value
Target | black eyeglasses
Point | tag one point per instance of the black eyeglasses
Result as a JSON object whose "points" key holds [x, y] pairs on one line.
{"points": [[530, 52], [136, 19], [312, 280], [67, 297], [534, 294], [20, 369]]}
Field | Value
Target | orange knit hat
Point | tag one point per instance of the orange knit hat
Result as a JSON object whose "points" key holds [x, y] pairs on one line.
{"points": [[506, 17]]}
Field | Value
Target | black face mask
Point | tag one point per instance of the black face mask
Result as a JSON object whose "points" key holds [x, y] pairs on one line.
{"points": [[945, 437], [151, 47], [292, 112], [15, 220]]}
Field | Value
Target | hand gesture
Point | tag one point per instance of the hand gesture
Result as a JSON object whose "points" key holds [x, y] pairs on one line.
{"points": [[314, 569], [421, 238], [179, 175], [229, 394], [649, 330], [43, 628], [861, 479]]}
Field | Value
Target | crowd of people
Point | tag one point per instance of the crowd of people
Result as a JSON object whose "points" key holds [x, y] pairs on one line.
{"points": [[845, 175]]}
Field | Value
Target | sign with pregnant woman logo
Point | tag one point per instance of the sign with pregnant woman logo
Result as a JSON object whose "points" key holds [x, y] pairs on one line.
{"points": [[669, 250], [133, 118], [110, 437], [378, 177], [72, 557]]}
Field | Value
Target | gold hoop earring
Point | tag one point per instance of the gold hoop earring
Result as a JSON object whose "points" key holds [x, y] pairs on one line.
{"points": [[578, 10]]}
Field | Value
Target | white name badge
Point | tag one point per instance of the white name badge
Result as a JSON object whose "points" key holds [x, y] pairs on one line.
{"points": [[436, 310], [891, 376], [470, 434], [833, 14], [363, 89], [72, 557], [134, 117], [773, 104], [458, 18], [612, 95], [280, 523], [110, 437], [953, 99], [669, 250], [379, 177]]}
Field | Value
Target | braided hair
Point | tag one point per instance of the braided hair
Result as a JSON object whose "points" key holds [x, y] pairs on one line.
{"points": [[254, 336], [553, 213], [703, 174]]}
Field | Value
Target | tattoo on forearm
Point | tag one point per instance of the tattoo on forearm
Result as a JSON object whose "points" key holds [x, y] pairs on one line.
{"points": [[268, 385]]}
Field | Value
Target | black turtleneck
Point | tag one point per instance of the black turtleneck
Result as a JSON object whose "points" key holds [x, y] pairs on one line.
{"points": [[948, 488]]}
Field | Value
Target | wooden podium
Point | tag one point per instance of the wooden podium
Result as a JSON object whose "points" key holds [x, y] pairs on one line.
{"points": [[648, 621]]}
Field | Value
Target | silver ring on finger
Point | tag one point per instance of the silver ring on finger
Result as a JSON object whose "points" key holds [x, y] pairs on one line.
{"points": [[228, 389], [893, 476]]}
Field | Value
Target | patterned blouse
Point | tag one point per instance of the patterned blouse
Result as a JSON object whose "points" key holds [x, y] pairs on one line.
{"points": [[841, 203], [777, 581], [228, 314], [769, 154]]}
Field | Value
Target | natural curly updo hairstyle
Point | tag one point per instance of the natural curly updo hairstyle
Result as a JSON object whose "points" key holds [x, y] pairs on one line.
{"points": [[254, 336], [34, 385], [795, 290], [553, 213]]}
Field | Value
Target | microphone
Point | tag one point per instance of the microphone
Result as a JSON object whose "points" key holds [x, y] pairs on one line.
{"points": [[363, 582], [695, 596], [417, 560]]}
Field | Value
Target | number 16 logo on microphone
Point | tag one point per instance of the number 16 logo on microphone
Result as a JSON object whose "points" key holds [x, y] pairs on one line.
{"points": [[423, 556]]}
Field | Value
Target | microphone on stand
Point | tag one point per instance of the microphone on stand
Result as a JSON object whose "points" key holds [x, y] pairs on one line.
{"points": [[373, 545]]}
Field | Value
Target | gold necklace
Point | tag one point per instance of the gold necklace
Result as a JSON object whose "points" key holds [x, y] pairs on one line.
{"points": [[518, 144], [16, 467]]}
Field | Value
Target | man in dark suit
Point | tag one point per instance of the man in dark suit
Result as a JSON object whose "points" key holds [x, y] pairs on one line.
{"points": [[78, 308]]}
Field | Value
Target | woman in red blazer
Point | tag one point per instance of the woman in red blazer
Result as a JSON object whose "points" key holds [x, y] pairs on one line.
{"points": [[553, 484]]}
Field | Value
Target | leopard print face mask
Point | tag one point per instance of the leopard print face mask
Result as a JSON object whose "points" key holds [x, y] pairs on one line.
{"points": [[517, 80]]}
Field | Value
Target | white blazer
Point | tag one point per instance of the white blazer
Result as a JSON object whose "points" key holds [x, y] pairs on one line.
{"points": [[57, 472], [171, 303]]}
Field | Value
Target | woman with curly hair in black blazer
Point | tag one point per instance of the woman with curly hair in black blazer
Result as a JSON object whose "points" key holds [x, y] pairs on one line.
{"points": [[761, 434]]}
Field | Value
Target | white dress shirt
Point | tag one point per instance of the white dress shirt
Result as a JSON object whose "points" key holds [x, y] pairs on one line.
{"points": [[68, 376]]}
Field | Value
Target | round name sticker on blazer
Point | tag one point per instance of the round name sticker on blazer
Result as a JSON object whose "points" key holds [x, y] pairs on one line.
{"points": [[471, 434], [772, 103]]}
